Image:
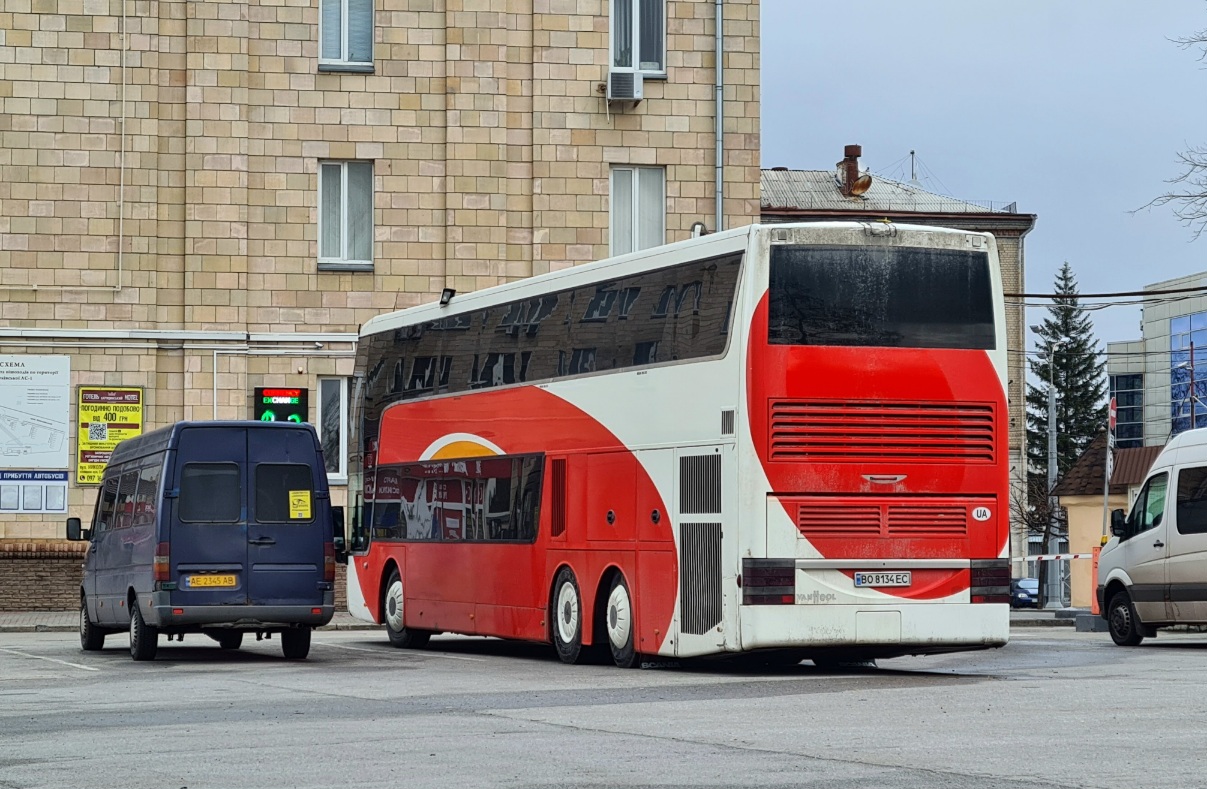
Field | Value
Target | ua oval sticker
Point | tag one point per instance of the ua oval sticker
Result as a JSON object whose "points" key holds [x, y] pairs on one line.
{"points": [[980, 514]]}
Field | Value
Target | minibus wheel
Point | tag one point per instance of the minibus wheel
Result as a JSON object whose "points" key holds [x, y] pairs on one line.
{"points": [[1126, 630], [144, 639], [392, 608], [92, 638], [566, 617], [295, 643]]}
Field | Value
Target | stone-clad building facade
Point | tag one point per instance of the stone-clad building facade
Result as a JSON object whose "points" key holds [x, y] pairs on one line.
{"points": [[201, 197]]}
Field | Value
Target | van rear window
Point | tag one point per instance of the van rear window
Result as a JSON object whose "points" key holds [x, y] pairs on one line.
{"points": [[284, 493], [210, 493]]}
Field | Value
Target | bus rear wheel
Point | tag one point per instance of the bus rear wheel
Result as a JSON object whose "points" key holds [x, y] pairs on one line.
{"points": [[567, 617], [392, 612], [619, 623]]}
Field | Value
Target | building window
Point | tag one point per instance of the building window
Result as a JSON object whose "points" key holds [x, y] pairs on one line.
{"points": [[333, 427], [638, 30], [346, 35], [345, 214], [1128, 391], [638, 208]]}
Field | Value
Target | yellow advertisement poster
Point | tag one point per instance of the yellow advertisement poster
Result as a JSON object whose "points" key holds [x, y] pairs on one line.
{"points": [[106, 415], [299, 505]]}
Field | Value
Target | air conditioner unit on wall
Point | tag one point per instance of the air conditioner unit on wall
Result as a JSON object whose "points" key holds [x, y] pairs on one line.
{"points": [[625, 85]]}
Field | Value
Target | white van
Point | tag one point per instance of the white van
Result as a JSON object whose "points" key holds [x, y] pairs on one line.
{"points": [[1153, 571]]}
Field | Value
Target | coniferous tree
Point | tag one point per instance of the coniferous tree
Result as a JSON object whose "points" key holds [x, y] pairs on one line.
{"points": [[1067, 355]]}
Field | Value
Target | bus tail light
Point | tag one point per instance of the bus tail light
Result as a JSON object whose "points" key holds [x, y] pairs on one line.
{"points": [[989, 581], [162, 565], [329, 562], [768, 581]]}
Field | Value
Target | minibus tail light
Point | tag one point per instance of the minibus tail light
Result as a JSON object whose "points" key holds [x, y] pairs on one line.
{"points": [[329, 562], [162, 564]]}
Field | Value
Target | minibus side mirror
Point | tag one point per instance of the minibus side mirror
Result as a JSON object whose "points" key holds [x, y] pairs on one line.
{"points": [[75, 532], [338, 538], [1118, 523]]}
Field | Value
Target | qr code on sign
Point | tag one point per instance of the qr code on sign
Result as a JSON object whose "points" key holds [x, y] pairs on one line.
{"points": [[98, 431]]}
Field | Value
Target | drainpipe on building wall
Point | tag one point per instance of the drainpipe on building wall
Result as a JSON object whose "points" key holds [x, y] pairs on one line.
{"points": [[719, 134]]}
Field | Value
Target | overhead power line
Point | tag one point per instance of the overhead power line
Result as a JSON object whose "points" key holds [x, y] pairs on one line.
{"points": [[1120, 294]]}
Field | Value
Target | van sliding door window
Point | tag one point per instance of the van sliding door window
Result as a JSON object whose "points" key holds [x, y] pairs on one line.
{"points": [[1192, 500], [210, 493], [284, 493]]}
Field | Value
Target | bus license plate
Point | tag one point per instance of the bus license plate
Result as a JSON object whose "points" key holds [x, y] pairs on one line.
{"points": [[196, 581], [882, 579]]}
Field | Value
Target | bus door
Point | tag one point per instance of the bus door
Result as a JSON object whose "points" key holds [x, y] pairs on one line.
{"points": [[208, 539], [287, 522]]}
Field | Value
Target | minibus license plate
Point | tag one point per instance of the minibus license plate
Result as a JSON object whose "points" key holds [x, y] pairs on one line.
{"points": [[882, 579], [211, 580]]}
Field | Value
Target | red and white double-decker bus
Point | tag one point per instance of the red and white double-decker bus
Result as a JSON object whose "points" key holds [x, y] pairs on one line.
{"points": [[778, 437]]}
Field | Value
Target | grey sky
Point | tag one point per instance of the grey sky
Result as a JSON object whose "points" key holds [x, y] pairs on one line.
{"points": [[1073, 109]]}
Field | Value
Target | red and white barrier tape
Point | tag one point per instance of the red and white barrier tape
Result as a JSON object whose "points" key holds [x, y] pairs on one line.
{"points": [[1046, 557]]}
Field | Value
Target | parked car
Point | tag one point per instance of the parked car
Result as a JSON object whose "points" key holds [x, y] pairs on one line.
{"points": [[1024, 593]]}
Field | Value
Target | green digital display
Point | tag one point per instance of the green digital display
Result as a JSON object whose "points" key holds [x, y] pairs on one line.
{"points": [[280, 404]]}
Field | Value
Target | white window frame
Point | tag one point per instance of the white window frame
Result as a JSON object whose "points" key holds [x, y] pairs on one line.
{"points": [[637, 207], [340, 475], [635, 15], [343, 261], [342, 61]]}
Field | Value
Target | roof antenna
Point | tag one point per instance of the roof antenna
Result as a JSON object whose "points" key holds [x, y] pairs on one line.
{"points": [[913, 173]]}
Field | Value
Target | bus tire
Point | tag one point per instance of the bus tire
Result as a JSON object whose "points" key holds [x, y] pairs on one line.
{"points": [[92, 637], [392, 610], [295, 643], [618, 621], [1126, 630], [144, 639], [566, 616]]}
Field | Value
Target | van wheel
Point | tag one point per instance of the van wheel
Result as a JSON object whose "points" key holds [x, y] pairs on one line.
{"points": [[567, 617], [392, 608], [227, 639], [1126, 630], [619, 623], [92, 638], [144, 639], [295, 643]]}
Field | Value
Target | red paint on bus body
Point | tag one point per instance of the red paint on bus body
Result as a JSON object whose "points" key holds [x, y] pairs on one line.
{"points": [[893, 376], [503, 589]]}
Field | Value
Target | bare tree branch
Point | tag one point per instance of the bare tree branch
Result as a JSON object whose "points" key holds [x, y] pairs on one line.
{"points": [[1190, 202]]}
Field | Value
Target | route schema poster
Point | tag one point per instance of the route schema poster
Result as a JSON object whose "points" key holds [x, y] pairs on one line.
{"points": [[35, 398]]}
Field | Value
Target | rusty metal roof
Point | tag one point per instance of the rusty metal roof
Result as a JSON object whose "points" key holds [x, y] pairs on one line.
{"points": [[817, 190], [1085, 477]]}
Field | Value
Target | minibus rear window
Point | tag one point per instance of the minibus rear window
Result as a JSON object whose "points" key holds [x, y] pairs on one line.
{"points": [[284, 493], [210, 493]]}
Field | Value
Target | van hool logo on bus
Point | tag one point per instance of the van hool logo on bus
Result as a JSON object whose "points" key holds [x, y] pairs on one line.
{"points": [[815, 597]]}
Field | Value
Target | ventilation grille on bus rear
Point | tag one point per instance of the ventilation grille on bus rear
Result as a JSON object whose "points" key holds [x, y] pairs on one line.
{"points": [[854, 432], [700, 484], [727, 422], [699, 577], [558, 502], [824, 519]]}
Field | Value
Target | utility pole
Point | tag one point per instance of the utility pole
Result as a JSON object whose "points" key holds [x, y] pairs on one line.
{"points": [[1052, 595]]}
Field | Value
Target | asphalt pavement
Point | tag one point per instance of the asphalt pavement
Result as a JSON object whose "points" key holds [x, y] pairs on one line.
{"points": [[66, 621]]}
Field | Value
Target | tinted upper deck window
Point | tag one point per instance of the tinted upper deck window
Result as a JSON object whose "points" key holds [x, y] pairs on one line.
{"points": [[284, 493], [902, 297], [210, 493]]}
